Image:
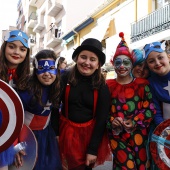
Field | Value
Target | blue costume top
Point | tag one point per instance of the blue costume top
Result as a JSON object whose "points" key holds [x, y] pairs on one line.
{"points": [[37, 117], [160, 87]]}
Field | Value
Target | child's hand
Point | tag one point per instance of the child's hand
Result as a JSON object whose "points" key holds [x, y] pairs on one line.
{"points": [[90, 159], [128, 125], [117, 122], [19, 158]]}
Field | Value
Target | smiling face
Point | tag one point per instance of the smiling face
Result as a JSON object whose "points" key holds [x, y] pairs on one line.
{"points": [[87, 62], [158, 63], [122, 65], [141, 70], [15, 53], [46, 71]]}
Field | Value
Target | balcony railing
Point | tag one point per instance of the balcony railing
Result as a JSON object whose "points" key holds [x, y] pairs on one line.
{"points": [[32, 16], [39, 24], [153, 23], [36, 3], [32, 19], [54, 8], [54, 37], [18, 4]]}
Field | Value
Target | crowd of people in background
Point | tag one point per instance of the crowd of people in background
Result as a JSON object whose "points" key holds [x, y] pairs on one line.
{"points": [[79, 116]]}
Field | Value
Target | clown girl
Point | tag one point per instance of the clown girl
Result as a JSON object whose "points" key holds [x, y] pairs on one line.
{"points": [[131, 112], [42, 94]]}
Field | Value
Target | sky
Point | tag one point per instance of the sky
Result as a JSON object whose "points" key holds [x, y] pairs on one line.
{"points": [[8, 14]]}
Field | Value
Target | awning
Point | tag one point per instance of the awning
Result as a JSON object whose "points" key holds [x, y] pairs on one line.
{"points": [[78, 28], [100, 30]]}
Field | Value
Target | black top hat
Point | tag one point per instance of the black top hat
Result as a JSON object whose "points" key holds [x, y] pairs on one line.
{"points": [[92, 45]]}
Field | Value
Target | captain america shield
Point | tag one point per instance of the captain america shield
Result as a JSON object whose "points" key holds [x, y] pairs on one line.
{"points": [[160, 148], [11, 115]]}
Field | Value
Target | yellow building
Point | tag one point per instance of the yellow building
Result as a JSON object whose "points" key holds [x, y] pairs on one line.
{"points": [[142, 21]]}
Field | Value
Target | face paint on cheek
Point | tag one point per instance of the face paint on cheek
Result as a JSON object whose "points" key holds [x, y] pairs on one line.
{"points": [[123, 74], [46, 66], [124, 64]]}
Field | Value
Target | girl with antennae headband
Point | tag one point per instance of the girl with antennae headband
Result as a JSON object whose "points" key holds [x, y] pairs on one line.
{"points": [[43, 90]]}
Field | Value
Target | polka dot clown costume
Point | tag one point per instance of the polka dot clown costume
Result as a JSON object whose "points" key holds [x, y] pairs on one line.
{"points": [[131, 106]]}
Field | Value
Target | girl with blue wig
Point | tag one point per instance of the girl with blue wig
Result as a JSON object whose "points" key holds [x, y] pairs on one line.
{"points": [[140, 68]]}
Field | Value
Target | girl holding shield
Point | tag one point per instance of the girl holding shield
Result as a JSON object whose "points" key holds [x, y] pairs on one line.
{"points": [[43, 89], [14, 69]]}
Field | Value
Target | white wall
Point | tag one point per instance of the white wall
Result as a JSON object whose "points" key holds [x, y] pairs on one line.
{"points": [[78, 10]]}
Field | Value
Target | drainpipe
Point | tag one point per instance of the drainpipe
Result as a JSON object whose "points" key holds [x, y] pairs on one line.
{"points": [[136, 10]]}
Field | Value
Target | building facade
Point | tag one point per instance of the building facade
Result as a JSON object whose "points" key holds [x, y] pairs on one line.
{"points": [[62, 25]]}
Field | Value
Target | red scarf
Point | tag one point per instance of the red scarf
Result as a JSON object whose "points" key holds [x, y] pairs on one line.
{"points": [[12, 74]]}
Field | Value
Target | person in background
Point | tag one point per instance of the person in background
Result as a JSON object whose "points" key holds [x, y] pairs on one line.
{"points": [[104, 72], [62, 64], [131, 113], [43, 90], [140, 68], [82, 139], [167, 46], [14, 70]]}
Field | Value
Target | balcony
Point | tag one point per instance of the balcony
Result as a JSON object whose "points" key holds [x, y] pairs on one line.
{"points": [[18, 4], [54, 8], [36, 3], [31, 20], [36, 49], [32, 40], [154, 23], [54, 38], [39, 24]]}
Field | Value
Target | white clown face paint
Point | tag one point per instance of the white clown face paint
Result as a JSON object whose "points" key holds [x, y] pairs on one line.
{"points": [[122, 65]]}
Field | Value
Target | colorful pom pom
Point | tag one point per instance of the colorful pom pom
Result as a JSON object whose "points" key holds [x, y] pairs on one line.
{"points": [[121, 34]]}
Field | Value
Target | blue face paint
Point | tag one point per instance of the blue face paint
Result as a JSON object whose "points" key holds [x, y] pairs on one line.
{"points": [[126, 62], [46, 66]]}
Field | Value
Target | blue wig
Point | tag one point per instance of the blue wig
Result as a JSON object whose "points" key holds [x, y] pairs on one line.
{"points": [[137, 56]]}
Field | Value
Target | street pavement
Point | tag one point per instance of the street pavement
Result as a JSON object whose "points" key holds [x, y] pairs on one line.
{"points": [[107, 166]]}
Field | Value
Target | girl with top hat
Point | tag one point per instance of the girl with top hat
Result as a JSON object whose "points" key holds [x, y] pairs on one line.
{"points": [[42, 94], [83, 142], [14, 69], [157, 58], [131, 112]]}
